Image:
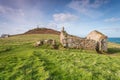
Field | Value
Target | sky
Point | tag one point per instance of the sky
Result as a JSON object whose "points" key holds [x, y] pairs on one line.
{"points": [[79, 17]]}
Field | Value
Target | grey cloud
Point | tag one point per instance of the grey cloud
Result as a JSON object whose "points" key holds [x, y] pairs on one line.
{"points": [[64, 17]]}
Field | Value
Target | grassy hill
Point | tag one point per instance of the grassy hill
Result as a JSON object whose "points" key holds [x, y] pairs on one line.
{"points": [[42, 31], [19, 60]]}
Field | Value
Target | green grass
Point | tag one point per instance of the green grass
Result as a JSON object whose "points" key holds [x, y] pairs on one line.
{"points": [[113, 48], [19, 60]]}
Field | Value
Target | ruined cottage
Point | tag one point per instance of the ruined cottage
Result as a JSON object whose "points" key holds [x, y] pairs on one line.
{"points": [[94, 41]]}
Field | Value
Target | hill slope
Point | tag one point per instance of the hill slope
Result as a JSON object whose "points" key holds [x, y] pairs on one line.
{"points": [[19, 60], [42, 31]]}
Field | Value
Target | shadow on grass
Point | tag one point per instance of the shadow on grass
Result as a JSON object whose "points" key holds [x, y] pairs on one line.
{"points": [[5, 50], [113, 50]]}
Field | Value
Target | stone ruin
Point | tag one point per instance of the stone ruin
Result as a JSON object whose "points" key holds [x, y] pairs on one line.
{"points": [[94, 41], [49, 42]]}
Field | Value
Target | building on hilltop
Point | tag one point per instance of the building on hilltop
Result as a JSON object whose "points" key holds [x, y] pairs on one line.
{"points": [[94, 41], [5, 35]]}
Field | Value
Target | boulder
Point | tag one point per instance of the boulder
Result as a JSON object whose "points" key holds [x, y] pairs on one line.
{"points": [[38, 43], [54, 45]]}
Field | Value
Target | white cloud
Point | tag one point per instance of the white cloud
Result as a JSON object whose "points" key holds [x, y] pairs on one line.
{"points": [[87, 7], [112, 19], [18, 20], [21, 15], [64, 17], [4, 10], [12, 14]]}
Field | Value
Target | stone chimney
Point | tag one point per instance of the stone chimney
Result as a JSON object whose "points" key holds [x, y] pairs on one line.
{"points": [[63, 29], [63, 36]]}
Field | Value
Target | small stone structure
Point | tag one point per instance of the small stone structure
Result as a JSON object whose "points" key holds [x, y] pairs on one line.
{"points": [[5, 35], [94, 41]]}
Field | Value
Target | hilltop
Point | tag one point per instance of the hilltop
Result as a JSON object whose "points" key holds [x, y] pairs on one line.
{"points": [[42, 31]]}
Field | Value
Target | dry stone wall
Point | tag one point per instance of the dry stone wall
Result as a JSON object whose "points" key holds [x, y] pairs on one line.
{"points": [[79, 43], [70, 41]]}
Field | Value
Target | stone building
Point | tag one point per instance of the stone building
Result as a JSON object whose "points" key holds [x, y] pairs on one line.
{"points": [[94, 41], [5, 35], [100, 39]]}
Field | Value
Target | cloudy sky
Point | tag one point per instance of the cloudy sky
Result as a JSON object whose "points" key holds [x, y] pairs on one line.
{"points": [[79, 17]]}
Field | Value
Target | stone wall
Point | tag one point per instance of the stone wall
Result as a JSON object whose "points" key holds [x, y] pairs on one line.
{"points": [[94, 41], [79, 43], [52, 43], [70, 41]]}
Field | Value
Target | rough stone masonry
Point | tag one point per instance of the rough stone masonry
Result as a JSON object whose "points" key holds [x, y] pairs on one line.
{"points": [[94, 41]]}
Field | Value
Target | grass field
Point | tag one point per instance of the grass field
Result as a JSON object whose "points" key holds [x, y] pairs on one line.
{"points": [[19, 60]]}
